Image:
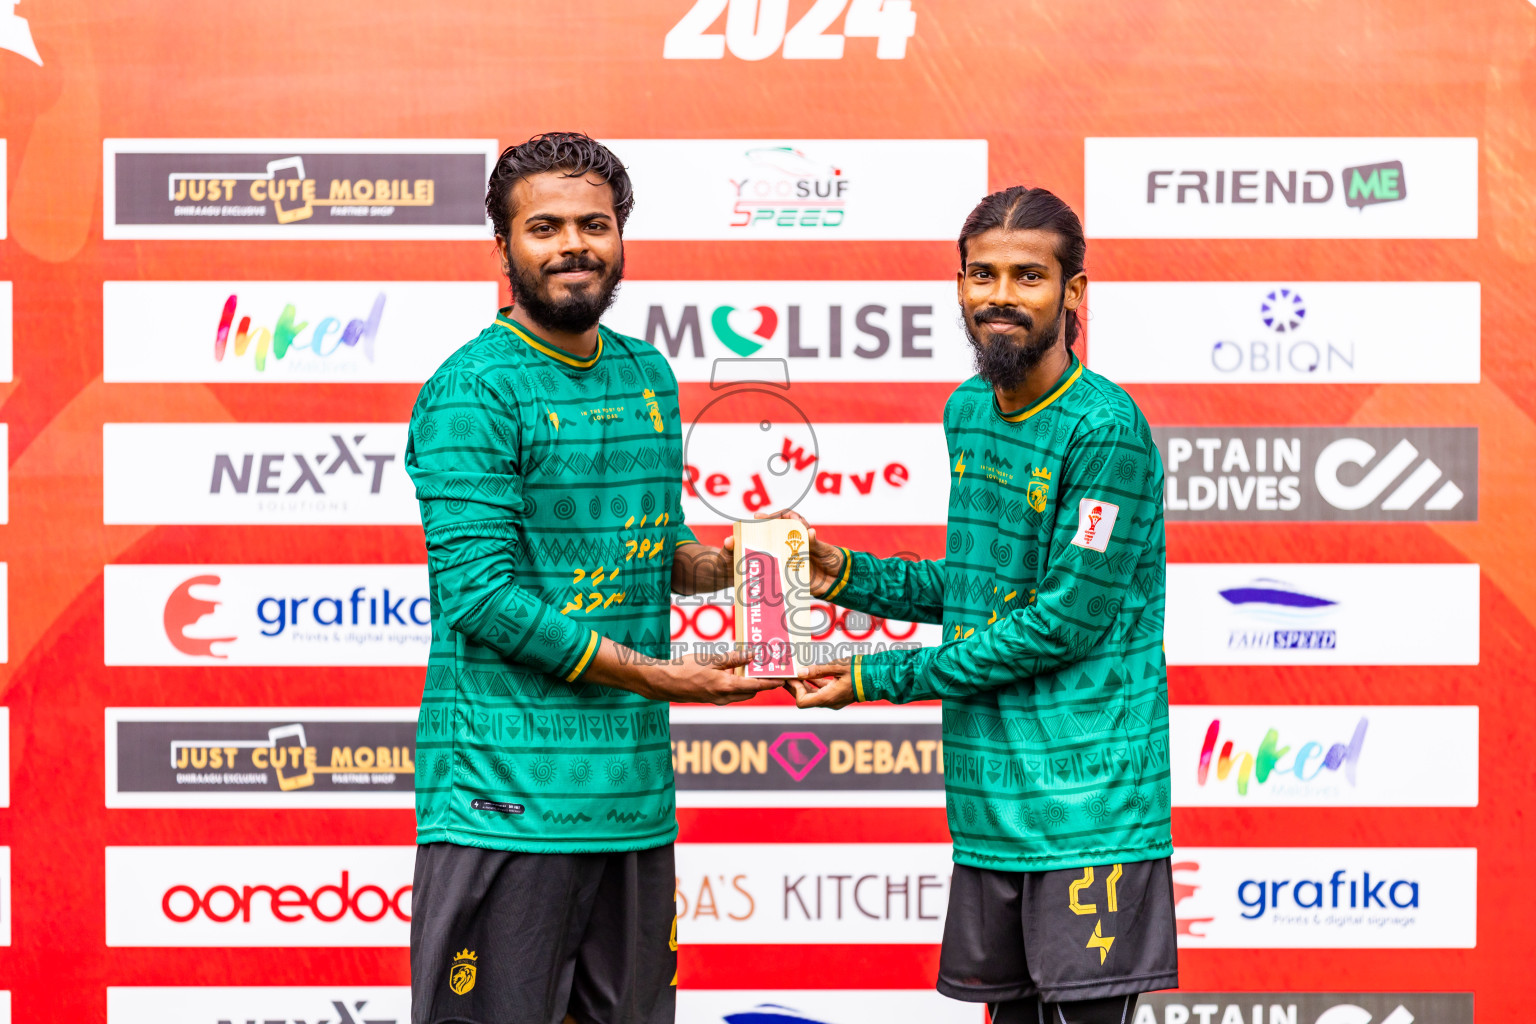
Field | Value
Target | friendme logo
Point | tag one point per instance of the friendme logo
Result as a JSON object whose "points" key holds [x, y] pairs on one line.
{"points": [[1370, 184]]}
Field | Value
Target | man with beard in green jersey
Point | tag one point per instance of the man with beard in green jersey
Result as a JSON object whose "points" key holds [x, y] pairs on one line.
{"points": [[1051, 666], [547, 458]]}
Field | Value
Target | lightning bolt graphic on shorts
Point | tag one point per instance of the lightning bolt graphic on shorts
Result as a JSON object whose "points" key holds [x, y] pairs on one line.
{"points": [[1098, 940]]}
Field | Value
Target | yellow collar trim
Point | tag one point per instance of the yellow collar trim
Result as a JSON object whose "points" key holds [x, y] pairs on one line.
{"points": [[1019, 417], [554, 353]]}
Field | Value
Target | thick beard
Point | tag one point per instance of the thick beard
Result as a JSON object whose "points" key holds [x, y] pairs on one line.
{"points": [[1004, 363], [577, 313]]}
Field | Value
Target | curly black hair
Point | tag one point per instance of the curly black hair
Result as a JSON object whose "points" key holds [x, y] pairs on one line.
{"points": [[574, 154]]}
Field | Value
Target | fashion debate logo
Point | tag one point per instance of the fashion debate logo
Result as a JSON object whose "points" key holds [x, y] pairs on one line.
{"points": [[270, 1004], [256, 473], [822, 1006], [1319, 473], [259, 896], [1325, 898], [296, 188], [864, 473], [1280, 187], [1319, 332], [1303, 1008], [879, 757], [337, 331], [800, 893], [848, 189], [308, 614], [260, 757], [826, 330], [1311, 614], [1324, 756], [754, 30]]}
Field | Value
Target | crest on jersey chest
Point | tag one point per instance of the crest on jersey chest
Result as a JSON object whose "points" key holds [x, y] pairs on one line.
{"points": [[1039, 489]]}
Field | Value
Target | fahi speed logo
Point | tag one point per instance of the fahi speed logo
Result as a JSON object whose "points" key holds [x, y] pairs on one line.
{"points": [[266, 615]]}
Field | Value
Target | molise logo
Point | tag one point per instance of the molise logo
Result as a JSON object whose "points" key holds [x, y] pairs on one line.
{"points": [[1326, 898], [769, 759], [1319, 473], [1303, 1008], [826, 330], [266, 615], [260, 757], [336, 473], [803, 189], [258, 331], [1322, 614], [259, 896], [269, 1004], [285, 188], [1365, 332], [1281, 188], [1325, 756]]}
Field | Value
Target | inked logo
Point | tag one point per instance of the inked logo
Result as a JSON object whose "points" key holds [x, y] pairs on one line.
{"points": [[327, 338], [1268, 761], [183, 610]]}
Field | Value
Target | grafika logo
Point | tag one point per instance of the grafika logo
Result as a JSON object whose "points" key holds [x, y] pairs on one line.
{"points": [[782, 187], [325, 339], [1268, 762]]}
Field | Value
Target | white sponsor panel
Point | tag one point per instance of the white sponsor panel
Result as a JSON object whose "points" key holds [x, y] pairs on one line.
{"points": [[276, 331], [1322, 614], [259, 895], [1235, 897], [1323, 755], [257, 473], [835, 473], [5, 612], [1280, 187], [267, 615], [5, 895], [250, 757], [823, 330], [849, 189], [818, 1006], [270, 1004], [5, 473], [6, 316], [796, 893], [5, 757], [5, 189], [5, 1007], [1256, 332]]}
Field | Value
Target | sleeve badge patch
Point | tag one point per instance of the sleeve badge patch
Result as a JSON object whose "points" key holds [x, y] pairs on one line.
{"points": [[1095, 523]]}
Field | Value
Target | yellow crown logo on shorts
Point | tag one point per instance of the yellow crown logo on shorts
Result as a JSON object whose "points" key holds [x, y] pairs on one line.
{"points": [[462, 977]]}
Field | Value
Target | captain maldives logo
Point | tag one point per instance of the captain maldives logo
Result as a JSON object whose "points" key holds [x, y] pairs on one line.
{"points": [[1294, 614]]}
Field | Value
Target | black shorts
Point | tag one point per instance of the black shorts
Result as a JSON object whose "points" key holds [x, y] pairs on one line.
{"points": [[1059, 936], [525, 938]]}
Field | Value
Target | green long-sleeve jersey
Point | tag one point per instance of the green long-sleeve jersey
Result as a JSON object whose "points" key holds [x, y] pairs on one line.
{"points": [[1051, 597], [549, 490]]}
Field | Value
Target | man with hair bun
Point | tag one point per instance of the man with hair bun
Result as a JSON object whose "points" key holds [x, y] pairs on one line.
{"points": [[547, 458], [1051, 667]]}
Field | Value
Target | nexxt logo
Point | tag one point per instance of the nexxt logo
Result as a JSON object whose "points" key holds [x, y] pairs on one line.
{"points": [[296, 472]]}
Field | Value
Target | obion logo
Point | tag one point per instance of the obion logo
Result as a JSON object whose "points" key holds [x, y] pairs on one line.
{"points": [[266, 614], [263, 331], [1281, 187], [1288, 332], [259, 896], [755, 29], [824, 330]]}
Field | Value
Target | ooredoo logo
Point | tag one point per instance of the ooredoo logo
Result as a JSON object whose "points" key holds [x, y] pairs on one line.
{"points": [[224, 903], [259, 896]]}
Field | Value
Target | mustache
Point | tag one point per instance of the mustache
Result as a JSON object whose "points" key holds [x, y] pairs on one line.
{"points": [[575, 263], [1003, 314]]}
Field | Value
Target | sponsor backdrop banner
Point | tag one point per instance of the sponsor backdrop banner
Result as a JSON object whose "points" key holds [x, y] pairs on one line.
{"points": [[228, 269]]}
